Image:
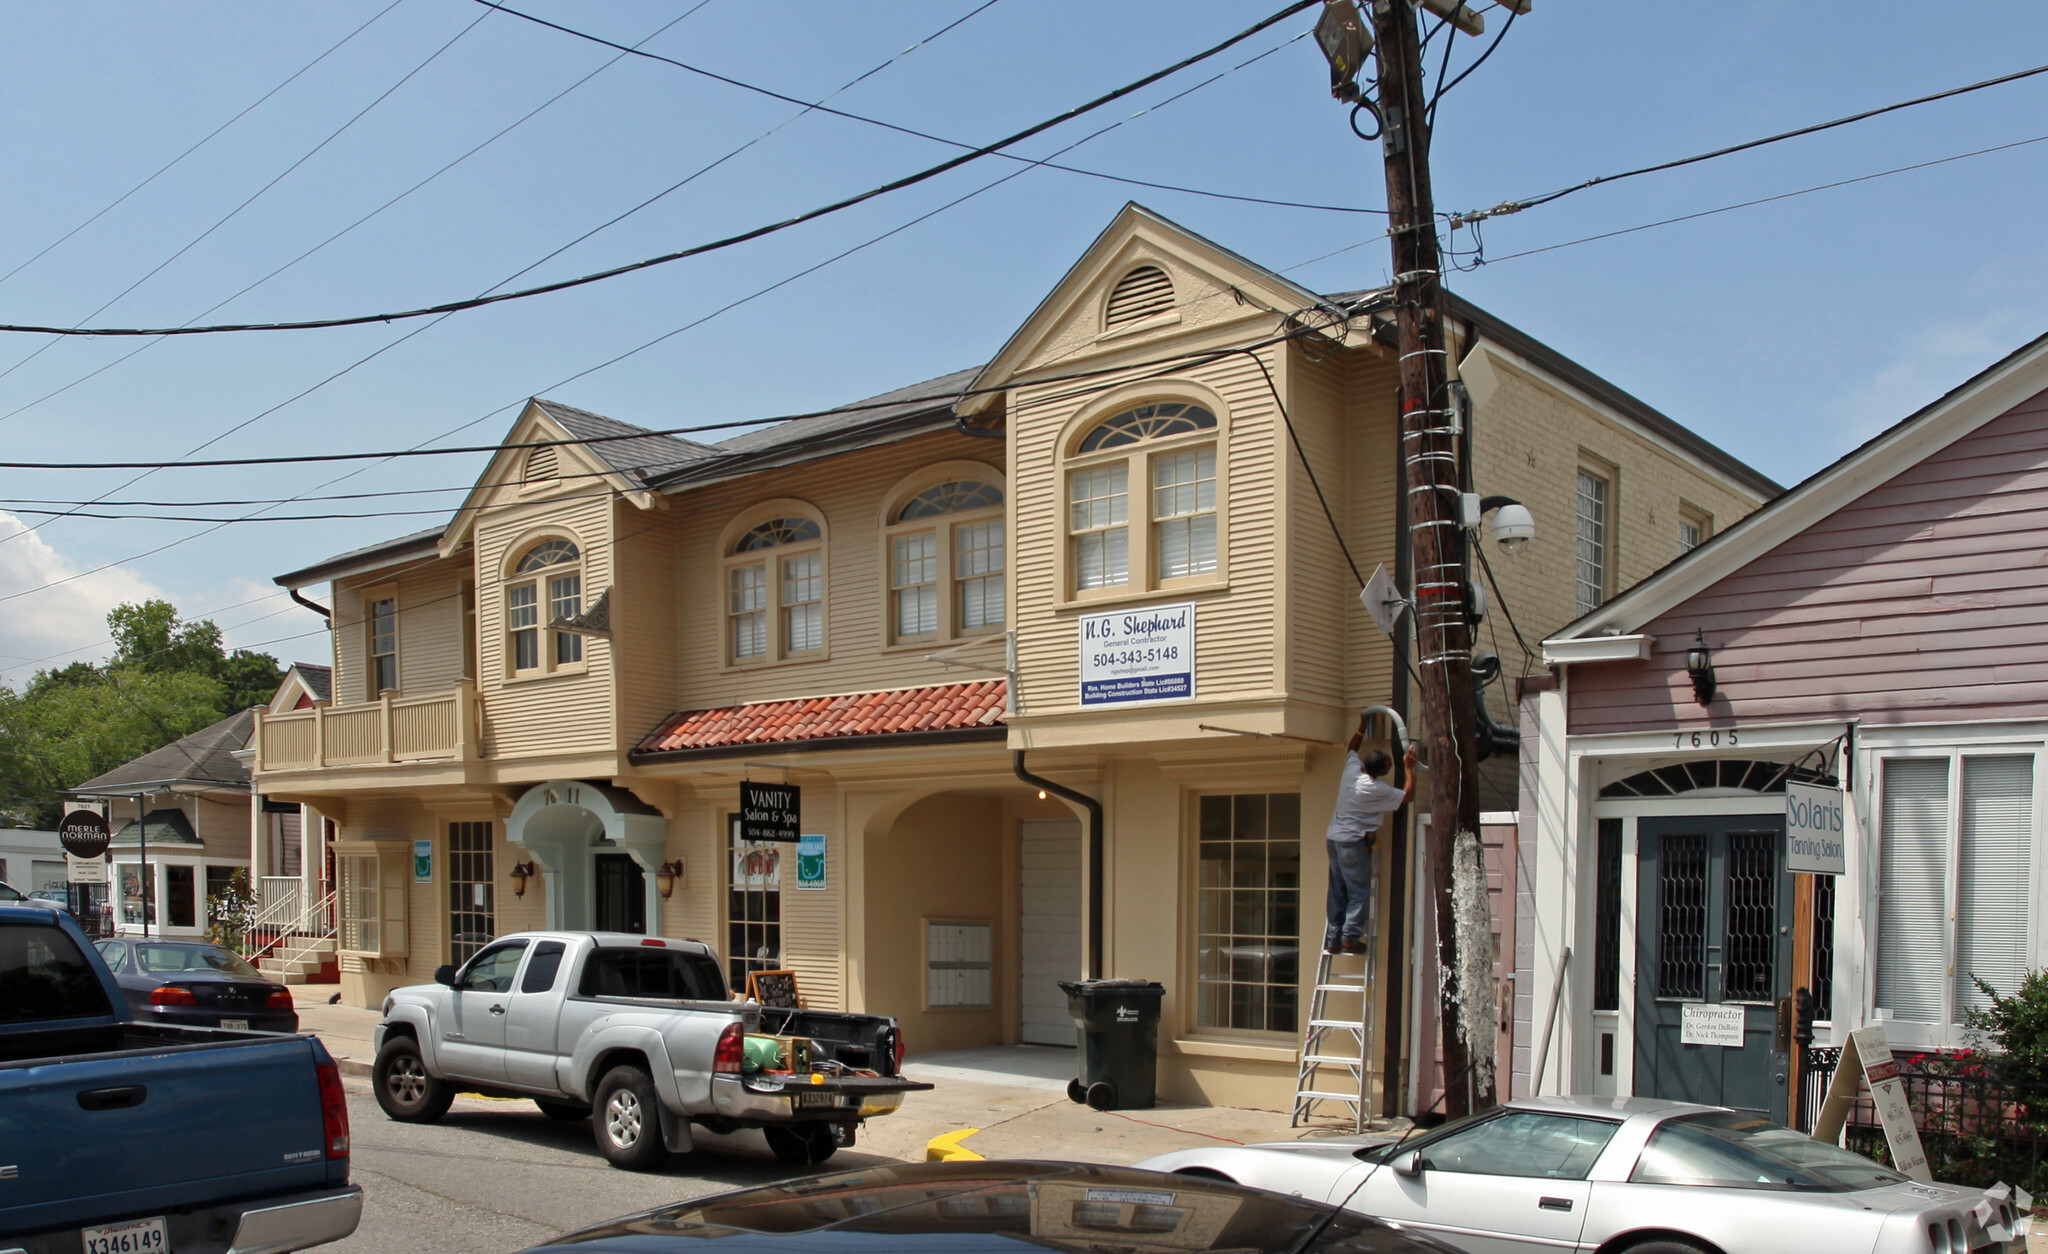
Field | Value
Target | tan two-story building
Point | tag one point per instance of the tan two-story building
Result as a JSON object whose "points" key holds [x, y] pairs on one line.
{"points": [[1059, 652]]}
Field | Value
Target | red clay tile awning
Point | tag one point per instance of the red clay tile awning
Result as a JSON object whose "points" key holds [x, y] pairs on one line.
{"points": [[970, 711]]}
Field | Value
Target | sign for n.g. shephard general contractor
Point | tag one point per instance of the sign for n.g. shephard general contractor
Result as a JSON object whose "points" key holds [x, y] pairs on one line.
{"points": [[1138, 655]]}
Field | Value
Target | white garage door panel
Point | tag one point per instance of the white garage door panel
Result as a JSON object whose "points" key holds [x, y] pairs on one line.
{"points": [[1051, 883]]}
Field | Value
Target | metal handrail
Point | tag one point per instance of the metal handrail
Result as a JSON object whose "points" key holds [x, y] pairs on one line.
{"points": [[308, 921]]}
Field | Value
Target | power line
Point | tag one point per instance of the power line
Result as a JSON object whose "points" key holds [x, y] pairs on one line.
{"points": [[508, 129], [1516, 206], [1764, 200], [729, 241], [253, 197], [918, 134], [165, 168]]}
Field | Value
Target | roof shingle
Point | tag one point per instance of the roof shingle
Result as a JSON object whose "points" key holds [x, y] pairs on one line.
{"points": [[941, 708]]}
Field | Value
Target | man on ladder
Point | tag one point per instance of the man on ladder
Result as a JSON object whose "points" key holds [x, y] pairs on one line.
{"points": [[1364, 799]]}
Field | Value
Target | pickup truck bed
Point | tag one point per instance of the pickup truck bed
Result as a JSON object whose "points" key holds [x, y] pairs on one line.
{"points": [[233, 1140]]}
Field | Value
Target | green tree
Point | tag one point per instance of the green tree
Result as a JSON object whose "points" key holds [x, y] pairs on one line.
{"points": [[167, 679]]}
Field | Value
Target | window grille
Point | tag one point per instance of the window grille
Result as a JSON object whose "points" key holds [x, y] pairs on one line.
{"points": [[1248, 930]]}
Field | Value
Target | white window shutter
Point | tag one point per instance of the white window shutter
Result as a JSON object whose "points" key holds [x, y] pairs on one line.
{"points": [[1911, 948], [1993, 899]]}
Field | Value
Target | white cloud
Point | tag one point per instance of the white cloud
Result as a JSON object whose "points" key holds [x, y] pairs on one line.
{"points": [[67, 619]]}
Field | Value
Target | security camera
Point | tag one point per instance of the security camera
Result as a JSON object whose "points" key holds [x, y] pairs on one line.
{"points": [[1513, 527]]}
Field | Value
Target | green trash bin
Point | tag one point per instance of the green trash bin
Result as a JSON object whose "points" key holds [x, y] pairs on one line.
{"points": [[1117, 1022]]}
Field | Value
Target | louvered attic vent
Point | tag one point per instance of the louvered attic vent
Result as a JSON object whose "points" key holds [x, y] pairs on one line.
{"points": [[543, 464], [1141, 294]]}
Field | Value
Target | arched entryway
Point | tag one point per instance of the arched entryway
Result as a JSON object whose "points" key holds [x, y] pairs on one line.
{"points": [[597, 848]]}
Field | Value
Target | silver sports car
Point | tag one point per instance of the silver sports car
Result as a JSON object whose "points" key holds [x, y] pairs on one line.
{"points": [[1613, 1174]]}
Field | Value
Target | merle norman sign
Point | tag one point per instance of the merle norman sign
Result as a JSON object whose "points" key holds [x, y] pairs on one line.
{"points": [[84, 834], [769, 812]]}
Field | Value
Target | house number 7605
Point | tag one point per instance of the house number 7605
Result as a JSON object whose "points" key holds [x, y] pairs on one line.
{"points": [[1704, 740]]}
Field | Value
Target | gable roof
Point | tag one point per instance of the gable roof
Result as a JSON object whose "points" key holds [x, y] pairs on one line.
{"points": [[205, 759], [1133, 221], [640, 460], [1929, 429], [317, 679]]}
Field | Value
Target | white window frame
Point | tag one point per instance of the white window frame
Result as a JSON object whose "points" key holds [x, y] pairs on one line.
{"points": [[773, 563], [1142, 497], [1948, 1032], [948, 583], [1699, 521], [1604, 570], [556, 652], [372, 599]]}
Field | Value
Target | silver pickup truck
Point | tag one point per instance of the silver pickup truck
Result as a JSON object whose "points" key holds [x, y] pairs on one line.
{"points": [[640, 1031]]}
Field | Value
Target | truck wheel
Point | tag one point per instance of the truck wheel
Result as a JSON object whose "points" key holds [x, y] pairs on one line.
{"points": [[567, 1112], [806, 1144], [627, 1120], [404, 1089]]}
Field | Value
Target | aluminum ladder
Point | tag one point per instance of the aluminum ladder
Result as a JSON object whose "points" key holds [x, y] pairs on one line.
{"points": [[1336, 1054]]}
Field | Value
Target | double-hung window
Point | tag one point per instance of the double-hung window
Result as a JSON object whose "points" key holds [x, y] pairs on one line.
{"points": [[775, 591], [1956, 868], [546, 586], [383, 645], [946, 562], [1168, 449]]}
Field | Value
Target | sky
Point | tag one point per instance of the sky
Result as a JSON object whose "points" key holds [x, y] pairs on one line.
{"points": [[1786, 332]]}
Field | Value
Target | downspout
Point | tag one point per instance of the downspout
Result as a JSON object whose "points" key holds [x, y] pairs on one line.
{"points": [[314, 606], [1094, 854]]}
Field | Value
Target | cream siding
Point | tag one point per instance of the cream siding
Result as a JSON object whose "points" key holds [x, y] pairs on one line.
{"points": [[556, 713], [643, 617]]}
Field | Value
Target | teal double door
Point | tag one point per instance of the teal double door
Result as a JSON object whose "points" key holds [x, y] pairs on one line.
{"points": [[1714, 909]]}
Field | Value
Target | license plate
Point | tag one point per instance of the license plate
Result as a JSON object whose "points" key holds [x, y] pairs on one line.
{"points": [[144, 1236], [814, 1101], [240, 1025]]}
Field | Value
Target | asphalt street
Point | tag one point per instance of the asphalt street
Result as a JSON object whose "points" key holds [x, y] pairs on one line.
{"points": [[497, 1176]]}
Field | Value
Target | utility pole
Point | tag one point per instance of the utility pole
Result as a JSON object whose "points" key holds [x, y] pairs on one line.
{"points": [[1431, 447]]}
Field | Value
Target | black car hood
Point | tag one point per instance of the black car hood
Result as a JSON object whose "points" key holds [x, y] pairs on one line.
{"points": [[994, 1206]]}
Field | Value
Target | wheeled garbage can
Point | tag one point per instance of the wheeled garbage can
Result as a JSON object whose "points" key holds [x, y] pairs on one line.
{"points": [[1117, 1022]]}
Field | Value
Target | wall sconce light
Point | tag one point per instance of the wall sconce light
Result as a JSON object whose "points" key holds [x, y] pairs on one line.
{"points": [[665, 877], [1699, 664], [1041, 794], [522, 872]]}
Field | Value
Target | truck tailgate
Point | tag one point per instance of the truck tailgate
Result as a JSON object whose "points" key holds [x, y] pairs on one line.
{"points": [[157, 1129]]}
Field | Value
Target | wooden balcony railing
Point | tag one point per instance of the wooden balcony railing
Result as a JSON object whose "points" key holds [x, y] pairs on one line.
{"points": [[393, 729]]}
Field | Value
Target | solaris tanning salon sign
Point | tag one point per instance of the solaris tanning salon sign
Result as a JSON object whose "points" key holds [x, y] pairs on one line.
{"points": [[1138, 655], [1814, 835]]}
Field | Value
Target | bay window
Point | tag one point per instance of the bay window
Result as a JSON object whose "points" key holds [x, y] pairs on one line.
{"points": [[1169, 448], [548, 576]]}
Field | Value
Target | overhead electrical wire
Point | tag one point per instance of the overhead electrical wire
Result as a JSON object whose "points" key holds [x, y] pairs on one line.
{"points": [[819, 106], [1530, 202], [244, 291], [253, 197], [696, 250], [166, 167]]}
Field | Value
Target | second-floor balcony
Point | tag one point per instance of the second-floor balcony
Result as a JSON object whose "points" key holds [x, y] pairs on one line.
{"points": [[392, 730]]}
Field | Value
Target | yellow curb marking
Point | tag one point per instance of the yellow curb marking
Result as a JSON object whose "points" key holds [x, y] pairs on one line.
{"points": [[947, 1148]]}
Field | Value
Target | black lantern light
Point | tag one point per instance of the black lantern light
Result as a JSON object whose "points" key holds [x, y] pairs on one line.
{"points": [[1699, 664]]}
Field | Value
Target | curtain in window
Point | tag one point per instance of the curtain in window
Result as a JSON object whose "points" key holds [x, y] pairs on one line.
{"points": [[749, 610], [803, 603], [1911, 947], [914, 574], [978, 573]]}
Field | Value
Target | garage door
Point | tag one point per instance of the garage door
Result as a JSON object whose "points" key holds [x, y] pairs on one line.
{"points": [[1051, 882], [48, 875]]}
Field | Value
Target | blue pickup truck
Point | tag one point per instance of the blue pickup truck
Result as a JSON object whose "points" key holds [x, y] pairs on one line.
{"points": [[118, 1137]]}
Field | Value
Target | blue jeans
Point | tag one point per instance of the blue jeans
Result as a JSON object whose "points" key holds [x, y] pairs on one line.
{"points": [[1350, 900]]}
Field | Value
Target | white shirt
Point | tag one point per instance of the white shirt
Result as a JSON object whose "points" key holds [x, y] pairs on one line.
{"points": [[1362, 802]]}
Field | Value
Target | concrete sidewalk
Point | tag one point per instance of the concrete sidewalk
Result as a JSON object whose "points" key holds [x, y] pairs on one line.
{"points": [[1015, 1097]]}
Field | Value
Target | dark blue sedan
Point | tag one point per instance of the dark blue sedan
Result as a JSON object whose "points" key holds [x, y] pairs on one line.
{"points": [[197, 983]]}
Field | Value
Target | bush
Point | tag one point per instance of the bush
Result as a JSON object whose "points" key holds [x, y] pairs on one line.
{"points": [[2015, 1028], [230, 911]]}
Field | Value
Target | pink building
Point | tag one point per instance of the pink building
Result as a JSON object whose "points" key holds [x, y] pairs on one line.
{"points": [[1869, 641]]}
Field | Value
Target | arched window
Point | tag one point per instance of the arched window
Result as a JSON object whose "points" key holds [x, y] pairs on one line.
{"points": [[947, 559], [546, 585], [1169, 447], [783, 615], [1144, 293]]}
